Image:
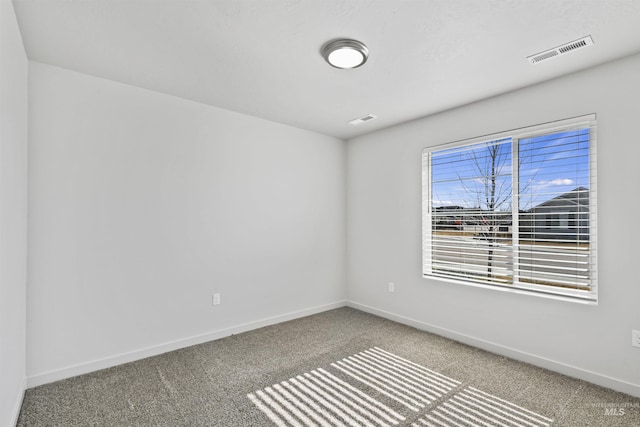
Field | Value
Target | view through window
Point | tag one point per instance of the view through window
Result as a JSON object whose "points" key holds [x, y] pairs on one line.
{"points": [[515, 210]]}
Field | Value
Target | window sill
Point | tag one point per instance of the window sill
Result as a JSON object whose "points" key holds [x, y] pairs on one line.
{"points": [[586, 298]]}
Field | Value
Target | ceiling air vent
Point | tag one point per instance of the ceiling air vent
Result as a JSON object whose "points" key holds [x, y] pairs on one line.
{"points": [[362, 119], [561, 50]]}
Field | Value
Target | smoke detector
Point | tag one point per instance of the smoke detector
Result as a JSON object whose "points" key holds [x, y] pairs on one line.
{"points": [[561, 50]]}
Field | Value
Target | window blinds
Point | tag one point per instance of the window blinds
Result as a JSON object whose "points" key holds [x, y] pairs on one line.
{"points": [[515, 209]]}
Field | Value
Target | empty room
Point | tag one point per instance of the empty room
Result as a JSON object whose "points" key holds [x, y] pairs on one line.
{"points": [[319, 213]]}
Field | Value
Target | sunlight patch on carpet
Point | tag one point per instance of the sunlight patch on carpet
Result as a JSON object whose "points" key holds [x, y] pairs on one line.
{"points": [[475, 407], [410, 384], [320, 398], [379, 388]]}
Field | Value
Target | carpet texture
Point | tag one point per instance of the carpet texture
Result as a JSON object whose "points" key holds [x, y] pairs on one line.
{"points": [[340, 367]]}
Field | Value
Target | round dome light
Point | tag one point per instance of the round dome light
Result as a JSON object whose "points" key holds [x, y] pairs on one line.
{"points": [[345, 53]]}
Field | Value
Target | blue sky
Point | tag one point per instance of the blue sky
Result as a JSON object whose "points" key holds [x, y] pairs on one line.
{"points": [[550, 165]]}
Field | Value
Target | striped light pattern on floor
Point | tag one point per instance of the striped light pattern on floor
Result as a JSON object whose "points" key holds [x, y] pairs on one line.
{"points": [[473, 407], [318, 398], [401, 380]]}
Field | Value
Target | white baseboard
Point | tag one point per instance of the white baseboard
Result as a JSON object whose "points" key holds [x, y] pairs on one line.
{"points": [[108, 362], [552, 365], [18, 405]]}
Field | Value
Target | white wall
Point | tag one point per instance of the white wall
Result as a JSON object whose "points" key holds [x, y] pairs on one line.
{"points": [[13, 214], [384, 232], [143, 205]]}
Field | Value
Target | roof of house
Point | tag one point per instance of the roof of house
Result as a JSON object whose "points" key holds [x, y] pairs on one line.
{"points": [[578, 196]]}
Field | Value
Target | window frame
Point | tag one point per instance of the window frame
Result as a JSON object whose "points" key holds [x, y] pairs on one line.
{"points": [[517, 286]]}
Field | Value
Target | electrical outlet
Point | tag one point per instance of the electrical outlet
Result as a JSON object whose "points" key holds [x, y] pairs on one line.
{"points": [[635, 338], [216, 299], [392, 287]]}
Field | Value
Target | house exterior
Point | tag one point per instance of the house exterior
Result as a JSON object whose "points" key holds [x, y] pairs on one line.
{"points": [[565, 217]]}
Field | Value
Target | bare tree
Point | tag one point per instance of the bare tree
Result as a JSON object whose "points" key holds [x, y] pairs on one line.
{"points": [[489, 184]]}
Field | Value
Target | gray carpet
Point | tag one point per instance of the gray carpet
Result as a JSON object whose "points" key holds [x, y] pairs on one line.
{"points": [[341, 367]]}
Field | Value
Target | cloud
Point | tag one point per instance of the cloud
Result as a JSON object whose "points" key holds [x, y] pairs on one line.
{"points": [[536, 186], [561, 181], [553, 182]]}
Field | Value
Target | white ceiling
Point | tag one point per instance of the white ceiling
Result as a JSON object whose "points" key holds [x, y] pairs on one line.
{"points": [[262, 57]]}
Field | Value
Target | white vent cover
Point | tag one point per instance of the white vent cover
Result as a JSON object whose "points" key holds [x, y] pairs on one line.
{"points": [[362, 119], [561, 50]]}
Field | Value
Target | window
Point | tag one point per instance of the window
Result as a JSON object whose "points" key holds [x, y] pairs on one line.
{"points": [[515, 210], [558, 220]]}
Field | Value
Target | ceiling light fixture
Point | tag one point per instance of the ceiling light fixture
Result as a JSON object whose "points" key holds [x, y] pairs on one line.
{"points": [[345, 53]]}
